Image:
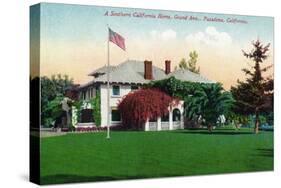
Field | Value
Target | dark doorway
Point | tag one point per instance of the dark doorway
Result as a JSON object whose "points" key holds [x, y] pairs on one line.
{"points": [[176, 115], [87, 116]]}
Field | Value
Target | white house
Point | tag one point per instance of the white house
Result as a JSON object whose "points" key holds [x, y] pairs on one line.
{"points": [[124, 78]]}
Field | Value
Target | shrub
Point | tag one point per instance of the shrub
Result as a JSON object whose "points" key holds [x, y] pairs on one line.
{"points": [[136, 107], [52, 110], [210, 102]]}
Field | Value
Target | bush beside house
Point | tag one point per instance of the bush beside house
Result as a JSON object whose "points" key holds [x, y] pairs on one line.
{"points": [[139, 106]]}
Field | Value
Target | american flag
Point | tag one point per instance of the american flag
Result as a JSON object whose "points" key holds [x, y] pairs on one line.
{"points": [[117, 39]]}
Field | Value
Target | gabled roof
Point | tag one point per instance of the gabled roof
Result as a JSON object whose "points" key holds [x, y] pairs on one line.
{"points": [[132, 72], [101, 70]]}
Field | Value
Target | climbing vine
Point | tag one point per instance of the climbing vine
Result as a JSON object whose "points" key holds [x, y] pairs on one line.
{"points": [[177, 88], [96, 103], [77, 110], [136, 107]]}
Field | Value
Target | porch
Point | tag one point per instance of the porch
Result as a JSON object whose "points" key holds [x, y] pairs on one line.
{"points": [[172, 121]]}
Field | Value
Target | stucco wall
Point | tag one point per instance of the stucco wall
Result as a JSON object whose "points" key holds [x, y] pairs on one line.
{"points": [[124, 90]]}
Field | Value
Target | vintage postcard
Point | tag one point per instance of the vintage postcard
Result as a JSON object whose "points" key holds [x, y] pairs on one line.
{"points": [[127, 93]]}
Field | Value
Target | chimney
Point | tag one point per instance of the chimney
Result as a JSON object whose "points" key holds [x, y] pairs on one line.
{"points": [[167, 66], [148, 70]]}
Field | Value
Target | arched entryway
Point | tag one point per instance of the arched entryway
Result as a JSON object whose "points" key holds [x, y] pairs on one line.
{"points": [[176, 118], [176, 114]]}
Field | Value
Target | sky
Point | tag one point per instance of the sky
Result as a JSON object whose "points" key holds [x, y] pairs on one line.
{"points": [[73, 39]]}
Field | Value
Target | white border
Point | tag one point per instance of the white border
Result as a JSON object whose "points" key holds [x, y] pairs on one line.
{"points": [[14, 80]]}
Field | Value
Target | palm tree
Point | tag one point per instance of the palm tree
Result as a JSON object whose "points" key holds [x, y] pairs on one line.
{"points": [[209, 102]]}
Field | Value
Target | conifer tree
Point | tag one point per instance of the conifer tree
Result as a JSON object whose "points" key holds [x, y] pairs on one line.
{"points": [[255, 94]]}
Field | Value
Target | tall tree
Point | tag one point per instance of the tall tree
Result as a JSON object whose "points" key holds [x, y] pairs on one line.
{"points": [[183, 64], [52, 89], [54, 86], [193, 56], [190, 64], [255, 94]]}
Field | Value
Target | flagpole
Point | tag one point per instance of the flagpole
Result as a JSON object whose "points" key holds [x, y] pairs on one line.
{"points": [[108, 88]]}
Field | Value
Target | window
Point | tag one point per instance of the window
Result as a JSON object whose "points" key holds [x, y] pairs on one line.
{"points": [[116, 90], [84, 95], [134, 87], [115, 115]]}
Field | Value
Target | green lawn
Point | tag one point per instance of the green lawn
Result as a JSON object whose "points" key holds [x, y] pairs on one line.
{"points": [[127, 155]]}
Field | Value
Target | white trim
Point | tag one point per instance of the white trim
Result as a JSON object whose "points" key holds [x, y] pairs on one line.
{"points": [[89, 124]]}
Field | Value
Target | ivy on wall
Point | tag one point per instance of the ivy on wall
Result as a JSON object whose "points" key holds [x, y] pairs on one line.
{"points": [[96, 103], [177, 88], [76, 113]]}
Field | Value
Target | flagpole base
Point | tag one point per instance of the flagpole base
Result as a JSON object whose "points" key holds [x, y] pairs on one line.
{"points": [[108, 134]]}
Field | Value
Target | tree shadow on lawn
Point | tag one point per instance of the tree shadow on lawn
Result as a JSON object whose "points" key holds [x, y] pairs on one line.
{"points": [[265, 152], [70, 178], [216, 132]]}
